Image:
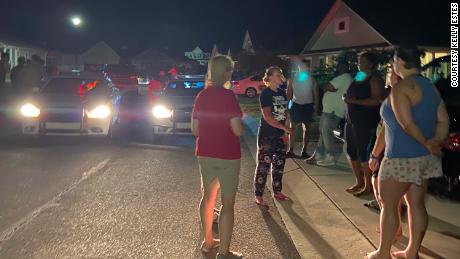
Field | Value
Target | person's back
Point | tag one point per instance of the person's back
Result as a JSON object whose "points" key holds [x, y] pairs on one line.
{"points": [[16, 72], [215, 107], [401, 145], [302, 88], [32, 74], [332, 101]]}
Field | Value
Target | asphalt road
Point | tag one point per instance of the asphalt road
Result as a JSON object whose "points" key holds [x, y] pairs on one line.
{"points": [[89, 198]]}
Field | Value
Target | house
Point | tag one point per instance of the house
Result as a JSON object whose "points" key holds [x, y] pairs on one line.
{"points": [[346, 28], [153, 60], [199, 55], [17, 48], [99, 54]]}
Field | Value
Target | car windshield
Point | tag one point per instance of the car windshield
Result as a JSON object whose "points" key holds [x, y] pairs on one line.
{"points": [[184, 88], [71, 86]]}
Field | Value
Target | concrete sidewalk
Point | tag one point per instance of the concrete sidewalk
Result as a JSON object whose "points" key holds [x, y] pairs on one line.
{"points": [[324, 221]]}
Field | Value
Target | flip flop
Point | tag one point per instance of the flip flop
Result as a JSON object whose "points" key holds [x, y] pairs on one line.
{"points": [[206, 250], [260, 201]]}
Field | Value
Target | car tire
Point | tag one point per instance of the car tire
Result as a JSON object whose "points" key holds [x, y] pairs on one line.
{"points": [[156, 139], [116, 132], [251, 92]]}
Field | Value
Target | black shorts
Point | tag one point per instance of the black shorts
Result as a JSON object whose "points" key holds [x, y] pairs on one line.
{"points": [[301, 113], [360, 140]]}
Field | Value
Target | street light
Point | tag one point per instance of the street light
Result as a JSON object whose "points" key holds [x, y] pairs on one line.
{"points": [[76, 21]]}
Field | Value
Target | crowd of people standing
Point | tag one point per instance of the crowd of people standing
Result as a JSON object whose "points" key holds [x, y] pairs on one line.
{"points": [[393, 140]]}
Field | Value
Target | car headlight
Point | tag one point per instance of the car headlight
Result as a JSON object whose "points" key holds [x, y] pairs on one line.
{"points": [[29, 110], [161, 112], [100, 112]]}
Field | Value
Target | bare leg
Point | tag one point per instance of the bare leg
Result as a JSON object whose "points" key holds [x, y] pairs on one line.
{"points": [[367, 177], [306, 130], [292, 137], [375, 185], [418, 220], [357, 170], [208, 199], [226, 220], [391, 192]]}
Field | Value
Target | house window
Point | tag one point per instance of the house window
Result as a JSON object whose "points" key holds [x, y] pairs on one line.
{"points": [[342, 25]]}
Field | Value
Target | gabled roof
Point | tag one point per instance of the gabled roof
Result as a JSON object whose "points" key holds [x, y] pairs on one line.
{"points": [[395, 23]]}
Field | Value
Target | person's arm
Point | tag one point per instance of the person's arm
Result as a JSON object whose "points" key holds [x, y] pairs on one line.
{"points": [[268, 117], [237, 126], [442, 123], [195, 127], [379, 145], [289, 90], [329, 88], [401, 104], [376, 93]]}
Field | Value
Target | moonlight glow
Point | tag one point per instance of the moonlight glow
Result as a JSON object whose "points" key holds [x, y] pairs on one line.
{"points": [[76, 21]]}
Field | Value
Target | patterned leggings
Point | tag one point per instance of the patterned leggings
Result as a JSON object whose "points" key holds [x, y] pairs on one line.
{"points": [[271, 154]]}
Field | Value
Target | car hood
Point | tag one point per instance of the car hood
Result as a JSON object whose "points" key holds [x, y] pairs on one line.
{"points": [[177, 102], [66, 100]]}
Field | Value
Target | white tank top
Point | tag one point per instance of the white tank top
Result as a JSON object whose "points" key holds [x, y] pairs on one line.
{"points": [[302, 90]]}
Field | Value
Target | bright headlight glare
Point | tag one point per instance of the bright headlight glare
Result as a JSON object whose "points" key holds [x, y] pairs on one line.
{"points": [[30, 111], [161, 112], [100, 112]]}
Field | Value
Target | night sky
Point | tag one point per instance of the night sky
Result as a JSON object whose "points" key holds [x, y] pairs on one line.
{"points": [[134, 25]]}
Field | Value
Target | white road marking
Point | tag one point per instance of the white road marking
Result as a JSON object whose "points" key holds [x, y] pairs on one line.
{"points": [[54, 202]]}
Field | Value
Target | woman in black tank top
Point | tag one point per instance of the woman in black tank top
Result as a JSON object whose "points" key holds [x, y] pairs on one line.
{"points": [[363, 100]]}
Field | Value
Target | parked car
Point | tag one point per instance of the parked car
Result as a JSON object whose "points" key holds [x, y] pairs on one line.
{"points": [[172, 109], [79, 104], [124, 77], [249, 86]]}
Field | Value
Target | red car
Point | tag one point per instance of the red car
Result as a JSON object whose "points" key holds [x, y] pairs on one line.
{"points": [[250, 86]]}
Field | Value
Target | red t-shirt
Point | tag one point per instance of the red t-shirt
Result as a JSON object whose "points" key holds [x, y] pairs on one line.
{"points": [[214, 108]]}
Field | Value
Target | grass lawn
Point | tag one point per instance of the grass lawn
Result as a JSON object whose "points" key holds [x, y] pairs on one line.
{"points": [[251, 107]]}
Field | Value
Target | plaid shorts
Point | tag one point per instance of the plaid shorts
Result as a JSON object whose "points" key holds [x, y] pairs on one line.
{"points": [[410, 170]]}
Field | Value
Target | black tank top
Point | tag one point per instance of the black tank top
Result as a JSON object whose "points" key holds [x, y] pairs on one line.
{"points": [[360, 114]]}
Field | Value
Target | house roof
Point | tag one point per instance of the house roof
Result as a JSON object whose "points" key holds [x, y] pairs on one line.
{"points": [[6, 40], [395, 23]]}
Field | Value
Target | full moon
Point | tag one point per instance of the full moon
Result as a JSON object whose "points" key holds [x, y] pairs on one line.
{"points": [[76, 21]]}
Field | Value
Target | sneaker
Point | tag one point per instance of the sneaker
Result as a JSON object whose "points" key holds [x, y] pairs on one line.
{"points": [[229, 255], [327, 161], [291, 154], [304, 154], [311, 160]]}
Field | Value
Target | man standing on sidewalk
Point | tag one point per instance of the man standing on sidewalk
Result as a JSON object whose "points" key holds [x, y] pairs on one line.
{"points": [[302, 91], [333, 111]]}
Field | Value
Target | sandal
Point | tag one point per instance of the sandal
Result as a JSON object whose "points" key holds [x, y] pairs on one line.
{"points": [[204, 249], [280, 196], [260, 201], [372, 205], [229, 255]]}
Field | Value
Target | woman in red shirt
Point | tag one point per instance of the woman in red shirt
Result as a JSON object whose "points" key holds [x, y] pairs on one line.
{"points": [[216, 121]]}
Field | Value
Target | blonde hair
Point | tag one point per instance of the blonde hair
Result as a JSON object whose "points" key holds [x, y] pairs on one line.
{"points": [[269, 72], [217, 67]]}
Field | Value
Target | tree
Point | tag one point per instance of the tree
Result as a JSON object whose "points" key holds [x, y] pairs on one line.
{"points": [[250, 64]]}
